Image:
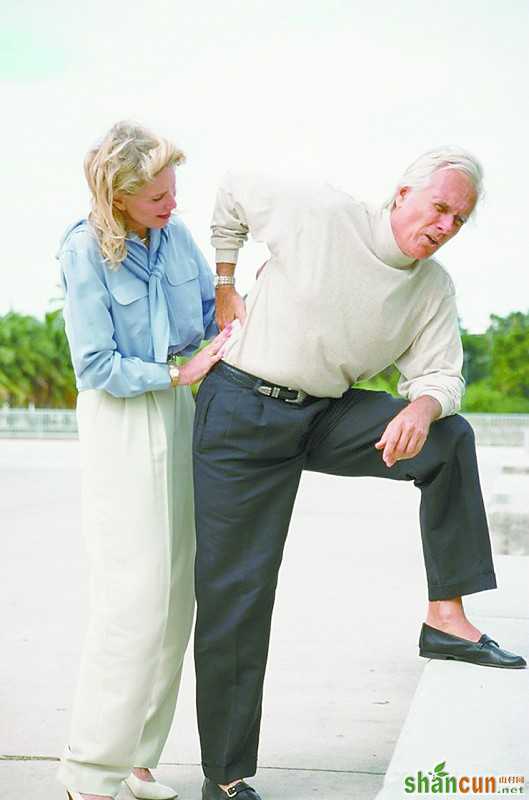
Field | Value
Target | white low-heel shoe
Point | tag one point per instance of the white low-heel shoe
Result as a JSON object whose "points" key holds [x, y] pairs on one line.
{"points": [[149, 790], [74, 795]]}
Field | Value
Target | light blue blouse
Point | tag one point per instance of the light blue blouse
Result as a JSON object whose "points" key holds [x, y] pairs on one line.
{"points": [[121, 324]]}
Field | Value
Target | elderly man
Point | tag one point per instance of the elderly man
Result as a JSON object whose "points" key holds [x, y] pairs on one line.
{"points": [[348, 291]]}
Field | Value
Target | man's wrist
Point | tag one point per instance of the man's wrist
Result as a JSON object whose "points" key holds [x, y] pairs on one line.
{"points": [[225, 269], [430, 405]]}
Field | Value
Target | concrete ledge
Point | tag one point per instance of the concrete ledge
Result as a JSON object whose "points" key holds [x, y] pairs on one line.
{"points": [[472, 718]]}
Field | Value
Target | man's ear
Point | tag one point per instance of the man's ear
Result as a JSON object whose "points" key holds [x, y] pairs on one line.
{"points": [[401, 195]]}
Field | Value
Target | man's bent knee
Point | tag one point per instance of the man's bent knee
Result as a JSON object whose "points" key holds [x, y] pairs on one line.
{"points": [[456, 427]]}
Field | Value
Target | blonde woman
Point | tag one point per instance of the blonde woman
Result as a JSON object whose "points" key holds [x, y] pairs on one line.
{"points": [[138, 291]]}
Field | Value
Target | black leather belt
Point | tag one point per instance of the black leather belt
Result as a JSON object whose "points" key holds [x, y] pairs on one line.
{"points": [[295, 396]]}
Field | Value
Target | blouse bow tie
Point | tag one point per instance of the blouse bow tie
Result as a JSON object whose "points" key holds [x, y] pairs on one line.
{"points": [[149, 267]]}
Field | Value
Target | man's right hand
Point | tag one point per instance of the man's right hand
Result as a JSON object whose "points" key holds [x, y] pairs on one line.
{"points": [[229, 306]]}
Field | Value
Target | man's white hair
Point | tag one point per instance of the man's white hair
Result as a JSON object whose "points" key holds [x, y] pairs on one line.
{"points": [[419, 174]]}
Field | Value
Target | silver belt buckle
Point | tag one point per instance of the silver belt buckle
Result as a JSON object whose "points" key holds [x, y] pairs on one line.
{"points": [[300, 396], [269, 391]]}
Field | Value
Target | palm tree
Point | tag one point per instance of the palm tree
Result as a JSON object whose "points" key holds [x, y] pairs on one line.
{"points": [[35, 365]]}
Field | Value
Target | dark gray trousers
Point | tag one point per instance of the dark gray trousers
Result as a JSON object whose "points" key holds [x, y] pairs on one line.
{"points": [[249, 452]]}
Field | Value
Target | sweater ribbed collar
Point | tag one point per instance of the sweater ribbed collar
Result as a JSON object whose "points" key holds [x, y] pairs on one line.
{"points": [[384, 243]]}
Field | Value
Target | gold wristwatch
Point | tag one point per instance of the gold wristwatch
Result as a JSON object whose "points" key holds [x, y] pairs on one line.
{"points": [[174, 373]]}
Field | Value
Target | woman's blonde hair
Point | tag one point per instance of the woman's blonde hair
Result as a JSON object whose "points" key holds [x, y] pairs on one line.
{"points": [[128, 157]]}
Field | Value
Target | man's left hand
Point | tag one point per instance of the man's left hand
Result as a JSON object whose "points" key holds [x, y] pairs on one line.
{"points": [[406, 434]]}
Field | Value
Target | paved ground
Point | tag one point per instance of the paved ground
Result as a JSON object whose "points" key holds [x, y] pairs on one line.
{"points": [[343, 661]]}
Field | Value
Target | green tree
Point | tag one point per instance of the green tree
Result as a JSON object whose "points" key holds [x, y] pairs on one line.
{"points": [[18, 336], [482, 397], [60, 389], [477, 356], [385, 381], [35, 364], [510, 353], [35, 367]]}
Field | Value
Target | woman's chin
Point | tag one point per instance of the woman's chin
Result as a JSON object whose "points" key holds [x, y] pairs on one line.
{"points": [[161, 222]]}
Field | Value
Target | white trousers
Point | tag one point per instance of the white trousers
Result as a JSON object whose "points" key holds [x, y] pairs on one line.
{"points": [[138, 521]]}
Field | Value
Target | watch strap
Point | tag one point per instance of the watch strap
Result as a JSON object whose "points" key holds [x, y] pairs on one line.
{"points": [[224, 280]]}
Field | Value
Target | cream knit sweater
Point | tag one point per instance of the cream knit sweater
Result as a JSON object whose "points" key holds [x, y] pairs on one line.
{"points": [[338, 301]]}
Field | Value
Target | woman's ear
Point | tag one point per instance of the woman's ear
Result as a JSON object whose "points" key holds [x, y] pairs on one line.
{"points": [[118, 202]]}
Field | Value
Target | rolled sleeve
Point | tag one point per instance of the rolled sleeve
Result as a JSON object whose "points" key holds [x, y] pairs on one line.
{"points": [[229, 225], [207, 289], [90, 331], [226, 256], [207, 292], [259, 203], [432, 365]]}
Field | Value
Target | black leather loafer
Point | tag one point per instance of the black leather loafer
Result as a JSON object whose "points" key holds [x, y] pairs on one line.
{"points": [[433, 643], [241, 790]]}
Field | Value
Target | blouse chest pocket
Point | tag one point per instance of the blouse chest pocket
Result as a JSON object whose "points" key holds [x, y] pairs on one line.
{"points": [[182, 269], [130, 313], [183, 288], [126, 288]]}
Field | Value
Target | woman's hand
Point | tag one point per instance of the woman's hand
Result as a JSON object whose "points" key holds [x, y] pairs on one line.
{"points": [[199, 366], [229, 306]]}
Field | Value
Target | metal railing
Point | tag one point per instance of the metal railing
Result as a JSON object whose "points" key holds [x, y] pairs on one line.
{"points": [[38, 423], [502, 430]]}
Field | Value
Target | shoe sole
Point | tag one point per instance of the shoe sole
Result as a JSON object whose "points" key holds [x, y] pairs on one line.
{"points": [[443, 657]]}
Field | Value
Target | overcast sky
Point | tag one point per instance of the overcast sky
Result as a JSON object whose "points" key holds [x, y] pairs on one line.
{"points": [[352, 91]]}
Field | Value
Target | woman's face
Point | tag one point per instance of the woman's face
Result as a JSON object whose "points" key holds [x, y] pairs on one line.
{"points": [[150, 207]]}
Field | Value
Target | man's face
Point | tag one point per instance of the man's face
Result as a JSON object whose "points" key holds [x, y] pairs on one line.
{"points": [[425, 219]]}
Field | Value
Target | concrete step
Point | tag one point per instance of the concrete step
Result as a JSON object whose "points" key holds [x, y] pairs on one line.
{"points": [[473, 720]]}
